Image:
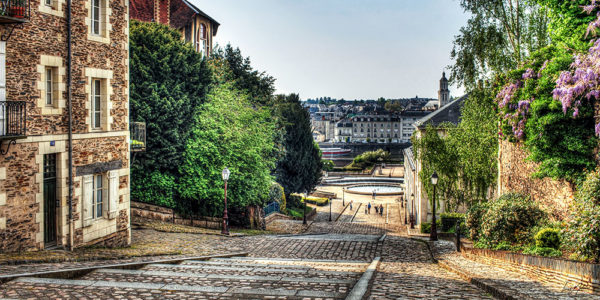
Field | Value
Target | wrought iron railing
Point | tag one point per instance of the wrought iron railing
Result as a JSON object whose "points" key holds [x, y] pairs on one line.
{"points": [[273, 207], [137, 131], [13, 116], [16, 9]]}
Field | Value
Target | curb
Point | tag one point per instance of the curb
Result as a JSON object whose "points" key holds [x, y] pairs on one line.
{"points": [[362, 285], [76, 272]]}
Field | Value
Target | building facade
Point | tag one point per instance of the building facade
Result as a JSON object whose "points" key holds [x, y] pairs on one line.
{"points": [[195, 26], [62, 185], [387, 128], [443, 92]]}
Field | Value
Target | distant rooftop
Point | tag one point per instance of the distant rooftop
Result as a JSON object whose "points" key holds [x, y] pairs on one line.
{"points": [[447, 113]]}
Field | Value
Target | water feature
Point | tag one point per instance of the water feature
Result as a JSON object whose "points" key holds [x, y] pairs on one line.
{"points": [[380, 189]]}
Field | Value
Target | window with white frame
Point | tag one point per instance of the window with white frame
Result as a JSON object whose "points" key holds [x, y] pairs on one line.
{"points": [[48, 2], [96, 103], [49, 85], [98, 196], [96, 16]]}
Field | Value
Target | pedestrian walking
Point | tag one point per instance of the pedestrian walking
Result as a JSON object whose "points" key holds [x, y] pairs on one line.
{"points": [[381, 210], [376, 209], [369, 207], [374, 195], [350, 205]]}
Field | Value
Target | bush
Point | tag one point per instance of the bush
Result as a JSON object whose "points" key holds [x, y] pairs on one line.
{"points": [[328, 165], [317, 201], [276, 194], [449, 220], [510, 218], [294, 201], [582, 234], [369, 158], [426, 226], [154, 188], [542, 251], [548, 238], [473, 219]]}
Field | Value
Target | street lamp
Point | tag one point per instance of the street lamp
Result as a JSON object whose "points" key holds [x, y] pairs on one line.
{"points": [[433, 235], [330, 202], [412, 211], [225, 175], [404, 201]]}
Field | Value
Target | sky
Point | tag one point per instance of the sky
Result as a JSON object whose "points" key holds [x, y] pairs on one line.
{"points": [[351, 49]]}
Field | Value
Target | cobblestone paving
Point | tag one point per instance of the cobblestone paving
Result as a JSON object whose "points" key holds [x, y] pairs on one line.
{"points": [[512, 283], [323, 211], [407, 272]]}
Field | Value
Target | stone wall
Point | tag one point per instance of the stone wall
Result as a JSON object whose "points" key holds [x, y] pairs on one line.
{"points": [[584, 276], [514, 175]]}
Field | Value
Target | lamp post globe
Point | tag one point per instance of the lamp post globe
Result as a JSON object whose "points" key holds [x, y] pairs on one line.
{"points": [[225, 176], [433, 234]]}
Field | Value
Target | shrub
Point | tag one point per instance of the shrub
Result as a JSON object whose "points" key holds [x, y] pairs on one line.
{"points": [[294, 201], [582, 234], [542, 251], [328, 165], [449, 220], [426, 226], [548, 238], [317, 201], [473, 219], [504, 245], [510, 218], [369, 158], [276, 194], [155, 188]]}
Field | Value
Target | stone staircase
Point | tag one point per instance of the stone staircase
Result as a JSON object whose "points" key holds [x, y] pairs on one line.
{"points": [[217, 278]]}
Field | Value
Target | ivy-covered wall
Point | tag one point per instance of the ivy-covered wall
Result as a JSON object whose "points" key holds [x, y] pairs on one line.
{"points": [[515, 175]]}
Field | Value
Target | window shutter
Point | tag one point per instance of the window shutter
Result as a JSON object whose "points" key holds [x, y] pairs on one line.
{"points": [[113, 193], [87, 196]]}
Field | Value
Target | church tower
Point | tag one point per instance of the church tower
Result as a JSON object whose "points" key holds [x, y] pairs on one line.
{"points": [[443, 93]]}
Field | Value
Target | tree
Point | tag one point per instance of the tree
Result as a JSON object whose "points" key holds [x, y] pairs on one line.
{"points": [[168, 81], [258, 85], [299, 169], [393, 106], [499, 35], [228, 132]]}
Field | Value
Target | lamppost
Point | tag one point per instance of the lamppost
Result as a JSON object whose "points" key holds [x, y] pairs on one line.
{"points": [[433, 235], [304, 211], [344, 196], [412, 211], [404, 202], [330, 209], [225, 230]]}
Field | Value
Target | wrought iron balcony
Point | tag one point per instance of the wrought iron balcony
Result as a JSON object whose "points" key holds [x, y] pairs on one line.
{"points": [[13, 116], [137, 131], [14, 11]]}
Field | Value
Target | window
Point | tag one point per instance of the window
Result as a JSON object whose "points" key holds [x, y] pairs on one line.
{"points": [[96, 104], [48, 2], [96, 17], [98, 196], [49, 86]]}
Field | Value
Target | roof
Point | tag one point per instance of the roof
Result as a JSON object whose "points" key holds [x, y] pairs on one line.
{"points": [[448, 113], [178, 15], [411, 158]]}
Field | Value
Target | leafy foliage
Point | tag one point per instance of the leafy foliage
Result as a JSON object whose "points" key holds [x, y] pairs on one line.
{"points": [[582, 233], [548, 238], [299, 169], [509, 218], [542, 251], [228, 132], [369, 159], [277, 194], [168, 81], [328, 165], [474, 219], [155, 188], [497, 37]]}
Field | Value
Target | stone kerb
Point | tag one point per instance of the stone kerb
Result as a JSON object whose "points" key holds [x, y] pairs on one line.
{"points": [[562, 272]]}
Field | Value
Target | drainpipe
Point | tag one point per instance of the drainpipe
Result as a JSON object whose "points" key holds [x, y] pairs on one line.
{"points": [[70, 117]]}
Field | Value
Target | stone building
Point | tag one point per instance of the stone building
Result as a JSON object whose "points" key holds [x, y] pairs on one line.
{"points": [[64, 153], [195, 26], [385, 128], [443, 92], [418, 202]]}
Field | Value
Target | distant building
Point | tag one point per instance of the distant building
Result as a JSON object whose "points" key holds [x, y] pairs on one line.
{"points": [[443, 93], [387, 128], [196, 27], [343, 131], [419, 204]]}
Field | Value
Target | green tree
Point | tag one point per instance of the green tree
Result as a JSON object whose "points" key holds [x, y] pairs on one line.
{"points": [[168, 81], [228, 132], [393, 106], [299, 169], [258, 85], [499, 35]]}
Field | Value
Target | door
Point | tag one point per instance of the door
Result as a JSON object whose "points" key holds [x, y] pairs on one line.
{"points": [[50, 200]]}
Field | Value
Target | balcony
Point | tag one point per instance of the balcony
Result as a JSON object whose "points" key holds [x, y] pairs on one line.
{"points": [[14, 11], [138, 136], [13, 115]]}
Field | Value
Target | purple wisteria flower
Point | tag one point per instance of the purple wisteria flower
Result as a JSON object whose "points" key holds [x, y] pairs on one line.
{"points": [[528, 74]]}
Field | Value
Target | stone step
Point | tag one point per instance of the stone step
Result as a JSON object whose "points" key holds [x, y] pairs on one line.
{"points": [[249, 271], [340, 265], [271, 264], [218, 280], [47, 288]]}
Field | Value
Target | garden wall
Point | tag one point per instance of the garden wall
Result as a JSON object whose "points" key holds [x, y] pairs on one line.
{"points": [[514, 175], [148, 212], [569, 274]]}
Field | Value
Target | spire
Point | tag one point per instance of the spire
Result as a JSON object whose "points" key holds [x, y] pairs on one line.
{"points": [[443, 93]]}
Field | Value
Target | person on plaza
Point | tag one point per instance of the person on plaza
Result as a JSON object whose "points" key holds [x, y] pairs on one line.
{"points": [[350, 205], [374, 195], [381, 209], [369, 207], [365, 210], [376, 209]]}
